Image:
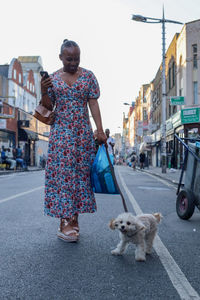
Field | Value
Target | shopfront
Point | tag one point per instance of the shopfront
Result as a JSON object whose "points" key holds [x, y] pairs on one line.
{"points": [[186, 124]]}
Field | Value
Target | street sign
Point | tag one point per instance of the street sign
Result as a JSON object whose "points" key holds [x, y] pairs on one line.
{"points": [[190, 115], [179, 100]]}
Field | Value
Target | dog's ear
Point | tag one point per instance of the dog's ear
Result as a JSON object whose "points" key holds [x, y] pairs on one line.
{"points": [[112, 224]]}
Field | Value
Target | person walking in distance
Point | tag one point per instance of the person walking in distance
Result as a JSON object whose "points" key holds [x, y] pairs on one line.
{"points": [[71, 151], [110, 142], [142, 160]]}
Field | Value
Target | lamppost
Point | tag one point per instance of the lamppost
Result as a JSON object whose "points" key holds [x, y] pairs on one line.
{"points": [[140, 18]]}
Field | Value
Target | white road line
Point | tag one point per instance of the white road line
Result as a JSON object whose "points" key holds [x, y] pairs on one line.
{"points": [[161, 180], [178, 279], [21, 194]]}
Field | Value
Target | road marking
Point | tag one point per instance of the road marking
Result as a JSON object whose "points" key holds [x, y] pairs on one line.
{"points": [[153, 188], [21, 194], [177, 277], [161, 180]]}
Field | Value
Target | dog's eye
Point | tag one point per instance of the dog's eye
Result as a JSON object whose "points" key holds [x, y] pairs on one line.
{"points": [[128, 223], [121, 222], [116, 225]]}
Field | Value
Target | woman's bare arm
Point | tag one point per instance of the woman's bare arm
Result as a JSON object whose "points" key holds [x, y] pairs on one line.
{"points": [[95, 111]]}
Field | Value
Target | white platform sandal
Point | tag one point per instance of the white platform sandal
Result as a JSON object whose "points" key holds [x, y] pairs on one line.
{"points": [[69, 236]]}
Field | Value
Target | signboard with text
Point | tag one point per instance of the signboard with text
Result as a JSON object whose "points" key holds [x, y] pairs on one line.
{"points": [[179, 100], [190, 115]]}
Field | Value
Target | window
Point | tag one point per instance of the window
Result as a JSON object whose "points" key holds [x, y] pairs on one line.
{"points": [[27, 85], [194, 53], [20, 78], [31, 87], [173, 74], [195, 92], [144, 114], [15, 74], [170, 79]]}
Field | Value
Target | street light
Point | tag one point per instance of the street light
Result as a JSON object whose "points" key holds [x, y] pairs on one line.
{"points": [[140, 18]]}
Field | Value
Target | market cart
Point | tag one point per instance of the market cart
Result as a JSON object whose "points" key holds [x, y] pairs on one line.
{"points": [[188, 196]]}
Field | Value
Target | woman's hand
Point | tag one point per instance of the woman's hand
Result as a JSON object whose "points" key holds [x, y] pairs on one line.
{"points": [[101, 137], [45, 84]]}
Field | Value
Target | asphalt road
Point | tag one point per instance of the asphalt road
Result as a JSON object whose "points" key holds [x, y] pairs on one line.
{"points": [[34, 264]]}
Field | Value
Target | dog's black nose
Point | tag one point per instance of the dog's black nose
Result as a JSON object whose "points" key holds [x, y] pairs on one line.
{"points": [[122, 227]]}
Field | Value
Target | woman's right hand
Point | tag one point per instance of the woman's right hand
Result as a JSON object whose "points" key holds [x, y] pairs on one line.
{"points": [[45, 84]]}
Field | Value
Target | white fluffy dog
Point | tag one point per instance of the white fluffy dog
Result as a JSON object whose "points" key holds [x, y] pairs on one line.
{"points": [[139, 230]]}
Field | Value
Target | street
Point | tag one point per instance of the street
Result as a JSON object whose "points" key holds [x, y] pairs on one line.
{"points": [[36, 265]]}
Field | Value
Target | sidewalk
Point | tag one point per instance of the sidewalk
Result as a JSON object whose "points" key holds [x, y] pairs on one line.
{"points": [[172, 175], [30, 169]]}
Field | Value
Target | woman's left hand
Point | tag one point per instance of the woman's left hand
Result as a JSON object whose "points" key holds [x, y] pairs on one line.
{"points": [[101, 137]]}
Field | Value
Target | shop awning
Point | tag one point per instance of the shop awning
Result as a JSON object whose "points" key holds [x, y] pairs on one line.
{"points": [[25, 134]]}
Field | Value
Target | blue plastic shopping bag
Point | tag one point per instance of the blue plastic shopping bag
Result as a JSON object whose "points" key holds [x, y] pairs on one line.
{"points": [[101, 176]]}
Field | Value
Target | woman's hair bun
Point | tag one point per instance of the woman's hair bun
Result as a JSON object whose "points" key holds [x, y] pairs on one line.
{"points": [[66, 40]]}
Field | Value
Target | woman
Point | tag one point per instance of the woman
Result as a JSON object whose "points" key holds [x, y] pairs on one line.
{"points": [[71, 143]]}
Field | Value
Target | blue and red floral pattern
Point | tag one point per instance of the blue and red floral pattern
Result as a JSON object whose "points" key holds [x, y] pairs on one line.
{"points": [[71, 149]]}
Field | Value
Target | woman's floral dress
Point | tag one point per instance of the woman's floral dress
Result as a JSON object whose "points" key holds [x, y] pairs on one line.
{"points": [[71, 149]]}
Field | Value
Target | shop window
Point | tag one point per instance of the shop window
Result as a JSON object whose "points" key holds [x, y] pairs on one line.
{"points": [[195, 92]]}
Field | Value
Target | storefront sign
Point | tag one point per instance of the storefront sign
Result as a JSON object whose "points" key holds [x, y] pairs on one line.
{"points": [[177, 100], [190, 115]]}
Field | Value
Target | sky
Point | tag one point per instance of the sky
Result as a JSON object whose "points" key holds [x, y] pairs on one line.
{"points": [[123, 54]]}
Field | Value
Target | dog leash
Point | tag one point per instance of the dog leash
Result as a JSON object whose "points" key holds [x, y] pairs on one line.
{"points": [[115, 180]]}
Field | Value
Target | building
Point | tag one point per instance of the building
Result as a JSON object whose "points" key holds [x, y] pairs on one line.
{"points": [[34, 63], [186, 121], [19, 95]]}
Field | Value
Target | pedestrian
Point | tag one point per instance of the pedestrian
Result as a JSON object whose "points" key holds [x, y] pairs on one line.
{"points": [[10, 160], [133, 161], [71, 149], [110, 142], [142, 159], [18, 156]]}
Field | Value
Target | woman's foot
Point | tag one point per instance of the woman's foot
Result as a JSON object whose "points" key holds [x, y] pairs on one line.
{"points": [[74, 223], [66, 232]]}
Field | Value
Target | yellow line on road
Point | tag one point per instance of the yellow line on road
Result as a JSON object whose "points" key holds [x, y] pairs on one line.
{"points": [[21, 194]]}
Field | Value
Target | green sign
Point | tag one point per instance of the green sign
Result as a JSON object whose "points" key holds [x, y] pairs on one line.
{"points": [[177, 100], [190, 115]]}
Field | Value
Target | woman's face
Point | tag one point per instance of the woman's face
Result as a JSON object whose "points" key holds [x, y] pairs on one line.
{"points": [[70, 58]]}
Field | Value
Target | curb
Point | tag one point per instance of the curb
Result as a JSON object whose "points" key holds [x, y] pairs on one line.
{"points": [[160, 176], [18, 171]]}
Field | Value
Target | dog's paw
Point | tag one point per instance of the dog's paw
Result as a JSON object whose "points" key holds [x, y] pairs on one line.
{"points": [[115, 252], [148, 251], [140, 258]]}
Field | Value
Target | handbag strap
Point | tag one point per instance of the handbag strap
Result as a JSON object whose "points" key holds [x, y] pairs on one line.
{"points": [[115, 180]]}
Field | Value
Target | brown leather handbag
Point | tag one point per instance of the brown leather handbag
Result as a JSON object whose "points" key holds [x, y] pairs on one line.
{"points": [[44, 115]]}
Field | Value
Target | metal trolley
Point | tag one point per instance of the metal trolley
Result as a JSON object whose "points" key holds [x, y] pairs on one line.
{"points": [[188, 196]]}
